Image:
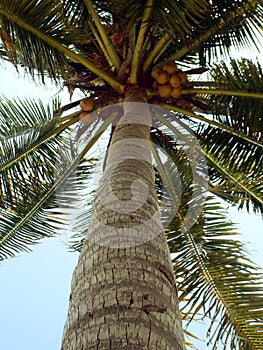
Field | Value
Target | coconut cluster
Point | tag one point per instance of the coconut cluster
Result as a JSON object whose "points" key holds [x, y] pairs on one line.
{"points": [[169, 80]]}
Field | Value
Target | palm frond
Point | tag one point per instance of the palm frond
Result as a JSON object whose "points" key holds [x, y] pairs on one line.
{"points": [[235, 169], [36, 36], [22, 124], [180, 18], [236, 164], [18, 117], [25, 47], [241, 113], [162, 18], [44, 212], [22, 228], [112, 12], [226, 25], [229, 130], [206, 120], [217, 280]]}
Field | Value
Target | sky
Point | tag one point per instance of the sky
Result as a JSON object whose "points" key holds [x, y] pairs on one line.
{"points": [[35, 287]]}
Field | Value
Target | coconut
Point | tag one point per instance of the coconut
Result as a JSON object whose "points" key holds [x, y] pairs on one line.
{"points": [[86, 104], [160, 75], [176, 92], [164, 90], [163, 78], [175, 80], [170, 67], [156, 72], [182, 76]]}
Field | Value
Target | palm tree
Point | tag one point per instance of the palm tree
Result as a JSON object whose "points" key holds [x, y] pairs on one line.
{"points": [[124, 290]]}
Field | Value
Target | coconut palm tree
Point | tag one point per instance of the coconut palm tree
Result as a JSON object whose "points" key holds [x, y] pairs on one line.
{"points": [[126, 290]]}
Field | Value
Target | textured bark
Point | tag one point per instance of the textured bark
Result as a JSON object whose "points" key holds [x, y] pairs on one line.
{"points": [[123, 293]]}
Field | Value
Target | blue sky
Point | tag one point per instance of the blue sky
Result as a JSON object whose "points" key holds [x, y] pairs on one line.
{"points": [[34, 287], [33, 296]]}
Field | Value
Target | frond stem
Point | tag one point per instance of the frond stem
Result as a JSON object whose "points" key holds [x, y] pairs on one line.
{"points": [[157, 50], [140, 41], [101, 45], [105, 39], [223, 92]]}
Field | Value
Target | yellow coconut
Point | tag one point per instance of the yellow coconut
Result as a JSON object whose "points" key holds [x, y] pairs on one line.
{"points": [[175, 80], [170, 67], [160, 75], [86, 104], [163, 78], [156, 72], [164, 90], [176, 92], [182, 76]]}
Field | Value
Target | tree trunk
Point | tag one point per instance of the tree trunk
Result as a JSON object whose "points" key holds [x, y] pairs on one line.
{"points": [[123, 289]]}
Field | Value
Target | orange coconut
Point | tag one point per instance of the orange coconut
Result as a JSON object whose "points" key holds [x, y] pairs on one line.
{"points": [[86, 104], [182, 76], [175, 81], [160, 75], [164, 90], [176, 92], [170, 67]]}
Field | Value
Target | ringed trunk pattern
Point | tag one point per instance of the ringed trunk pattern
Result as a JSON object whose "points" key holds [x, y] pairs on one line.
{"points": [[124, 296]]}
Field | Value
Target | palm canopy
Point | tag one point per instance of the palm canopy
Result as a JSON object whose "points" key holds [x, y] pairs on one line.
{"points": [[92, 46]]}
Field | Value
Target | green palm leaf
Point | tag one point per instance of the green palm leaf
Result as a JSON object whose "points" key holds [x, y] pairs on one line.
{"points": [[24, 46], [229, 132], [43, 213], [239, 113], [19, 117], [225, 24], [22, 125], [218, 281], [234, 175], [36, 36], [236, 162]]}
